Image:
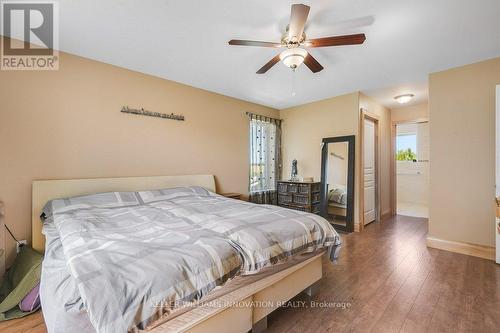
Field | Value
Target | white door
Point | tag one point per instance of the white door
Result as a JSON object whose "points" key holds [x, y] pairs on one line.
{"points": [[497, 221], [369, 171]]}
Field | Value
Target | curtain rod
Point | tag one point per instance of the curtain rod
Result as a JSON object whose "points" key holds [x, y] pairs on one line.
{"points": [[260, 117]]}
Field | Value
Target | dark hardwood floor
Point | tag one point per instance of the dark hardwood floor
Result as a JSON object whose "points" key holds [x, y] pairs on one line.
{"points": [[394, 283], [33, 323]]}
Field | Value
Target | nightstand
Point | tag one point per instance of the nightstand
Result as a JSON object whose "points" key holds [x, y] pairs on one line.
{"points": [[231, 195]]}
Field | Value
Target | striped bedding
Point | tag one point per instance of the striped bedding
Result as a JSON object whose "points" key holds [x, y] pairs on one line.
{"points": [[131, 257]]}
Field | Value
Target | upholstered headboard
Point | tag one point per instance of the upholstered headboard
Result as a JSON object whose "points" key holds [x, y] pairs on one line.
{"points": [[45, 190]]}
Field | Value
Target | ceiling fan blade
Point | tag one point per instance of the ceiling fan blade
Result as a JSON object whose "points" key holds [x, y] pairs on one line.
{"points": [[312, 64], [336, 41], [269, 64], [253, 43], [298, 19]]}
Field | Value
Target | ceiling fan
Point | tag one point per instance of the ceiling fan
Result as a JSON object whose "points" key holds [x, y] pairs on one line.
{"points": [[294, 40]]}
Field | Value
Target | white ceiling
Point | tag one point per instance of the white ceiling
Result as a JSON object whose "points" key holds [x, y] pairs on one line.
{"points": [[385, 95], [186, 41]]}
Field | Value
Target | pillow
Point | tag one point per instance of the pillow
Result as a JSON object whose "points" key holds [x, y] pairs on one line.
{"points": [[338, 195], [172, 193], [97, 200], [19, 281], [31, 302]]}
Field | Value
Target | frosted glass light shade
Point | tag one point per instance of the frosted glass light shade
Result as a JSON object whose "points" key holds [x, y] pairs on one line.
{"points": [[403, 99], [293, 58]]}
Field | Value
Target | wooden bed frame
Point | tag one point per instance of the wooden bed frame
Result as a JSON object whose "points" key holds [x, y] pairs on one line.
{"points": [[334, 210], [237, 311]]}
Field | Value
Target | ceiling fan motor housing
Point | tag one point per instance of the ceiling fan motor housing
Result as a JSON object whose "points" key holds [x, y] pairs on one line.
{"points": [[293, 41]]}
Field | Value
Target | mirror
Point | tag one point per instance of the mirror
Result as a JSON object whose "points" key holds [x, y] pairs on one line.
{"points": [[337, 182]]}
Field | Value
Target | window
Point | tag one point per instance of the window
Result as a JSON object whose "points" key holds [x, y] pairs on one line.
{"points": [[265, 137], [406, 147]]}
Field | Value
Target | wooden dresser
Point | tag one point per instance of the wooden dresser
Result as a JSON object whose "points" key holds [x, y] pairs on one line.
{"points": [[304, 196]]}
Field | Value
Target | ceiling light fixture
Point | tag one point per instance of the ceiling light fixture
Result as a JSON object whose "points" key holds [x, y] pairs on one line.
{"points": [[403, 99], [293, 57]]}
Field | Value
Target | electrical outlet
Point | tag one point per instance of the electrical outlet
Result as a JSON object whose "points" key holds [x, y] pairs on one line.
{"points": [[21, 244]]}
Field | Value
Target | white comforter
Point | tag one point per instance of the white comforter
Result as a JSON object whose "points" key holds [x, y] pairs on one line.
{"points": [[119, 261]]}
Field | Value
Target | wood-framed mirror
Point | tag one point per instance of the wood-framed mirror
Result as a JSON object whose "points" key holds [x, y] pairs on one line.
{"points": [[337, 181]]}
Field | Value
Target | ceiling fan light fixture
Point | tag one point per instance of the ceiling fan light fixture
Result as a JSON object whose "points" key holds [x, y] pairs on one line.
{"points": [[293, 57], [403, 99]]}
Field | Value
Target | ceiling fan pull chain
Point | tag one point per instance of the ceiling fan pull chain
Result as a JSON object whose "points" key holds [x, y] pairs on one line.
{"points": [[293, 82]]}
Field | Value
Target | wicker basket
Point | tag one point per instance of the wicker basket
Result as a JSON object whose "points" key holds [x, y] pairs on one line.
{"points": [[292, 188], [282, 187], [301, 199], [284, 199], [304, 188]]}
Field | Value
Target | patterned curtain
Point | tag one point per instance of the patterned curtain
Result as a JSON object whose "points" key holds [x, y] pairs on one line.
{"points": [[265, 158]]}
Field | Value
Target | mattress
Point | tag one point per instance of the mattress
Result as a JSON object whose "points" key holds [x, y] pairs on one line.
{"points": [[118, 262], [58, 285]]}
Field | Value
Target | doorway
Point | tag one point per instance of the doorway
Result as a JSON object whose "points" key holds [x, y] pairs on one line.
{"points": [[370, 173], [411, 168]]}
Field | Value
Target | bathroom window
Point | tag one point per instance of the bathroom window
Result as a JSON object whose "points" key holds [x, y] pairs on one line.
{"points": [[406, 147]]}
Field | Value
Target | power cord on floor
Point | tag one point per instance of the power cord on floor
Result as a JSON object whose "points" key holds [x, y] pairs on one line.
{"points": [[12, 235]]}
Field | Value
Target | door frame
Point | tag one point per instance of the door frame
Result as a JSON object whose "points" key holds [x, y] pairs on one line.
{"points": [[365, 114], [394, 182], [351, 171], [497, 175]]}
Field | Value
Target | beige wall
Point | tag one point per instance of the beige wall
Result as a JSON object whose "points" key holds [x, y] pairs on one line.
{"points": [[305, 126], [410, 113], [67, 124], [462, 131], [384, 116]]}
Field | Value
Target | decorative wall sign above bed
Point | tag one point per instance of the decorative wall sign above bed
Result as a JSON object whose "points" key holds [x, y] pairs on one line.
{"points": [[143, 112]]}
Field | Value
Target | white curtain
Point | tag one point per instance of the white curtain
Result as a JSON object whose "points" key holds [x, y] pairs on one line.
{"points": [[265, 164]]}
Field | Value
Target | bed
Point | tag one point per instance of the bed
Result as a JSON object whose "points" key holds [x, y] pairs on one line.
{"points": [[337, 209], [195, 238], [337, 200]]}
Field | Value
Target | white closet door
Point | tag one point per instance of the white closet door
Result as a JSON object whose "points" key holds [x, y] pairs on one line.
{"points": [[369, 171]]}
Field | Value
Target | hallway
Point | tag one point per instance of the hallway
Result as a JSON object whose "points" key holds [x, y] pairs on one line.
{"points": [[413, 209]]}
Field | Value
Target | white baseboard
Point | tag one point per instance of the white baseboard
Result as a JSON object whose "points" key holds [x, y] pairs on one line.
{"points": [[481, 251]]}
